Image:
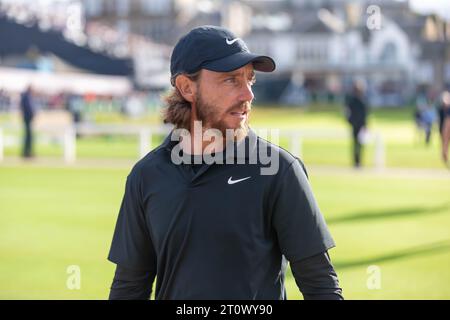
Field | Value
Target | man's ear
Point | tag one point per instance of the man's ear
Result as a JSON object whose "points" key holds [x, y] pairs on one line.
{"points": [[187, 87]]}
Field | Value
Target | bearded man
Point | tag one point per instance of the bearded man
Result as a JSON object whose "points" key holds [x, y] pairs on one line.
{"points": [[217, 212]]}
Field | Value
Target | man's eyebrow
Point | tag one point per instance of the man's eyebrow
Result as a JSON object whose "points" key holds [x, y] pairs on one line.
{"points": [[237, 73], [230, 74]]}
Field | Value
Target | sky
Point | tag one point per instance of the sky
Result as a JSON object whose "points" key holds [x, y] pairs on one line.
{"points": [[441, 7]]}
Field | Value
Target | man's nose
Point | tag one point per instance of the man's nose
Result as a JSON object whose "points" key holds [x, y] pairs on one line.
{"points": [[246, 93]]}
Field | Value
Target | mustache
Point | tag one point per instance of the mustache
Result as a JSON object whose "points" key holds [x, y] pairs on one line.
{"points": [[246, 106]]}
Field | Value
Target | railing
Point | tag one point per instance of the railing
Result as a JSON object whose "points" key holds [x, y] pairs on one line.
{"points": [[296, 138]]}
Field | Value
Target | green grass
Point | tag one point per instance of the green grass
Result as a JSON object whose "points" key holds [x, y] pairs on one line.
{"points": [[51, 218]]}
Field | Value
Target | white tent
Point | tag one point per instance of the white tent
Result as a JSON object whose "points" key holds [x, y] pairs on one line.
{"points": [[16, 80]]}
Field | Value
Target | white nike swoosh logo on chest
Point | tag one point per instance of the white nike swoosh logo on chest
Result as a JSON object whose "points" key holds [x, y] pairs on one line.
{"points": [[231, 181]]}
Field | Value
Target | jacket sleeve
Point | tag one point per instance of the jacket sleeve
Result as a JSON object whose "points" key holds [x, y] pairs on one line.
{"points": [[129, 284], [316, 278]]}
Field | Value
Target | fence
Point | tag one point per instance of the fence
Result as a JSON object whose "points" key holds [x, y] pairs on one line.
{"points": [[145, 134]]}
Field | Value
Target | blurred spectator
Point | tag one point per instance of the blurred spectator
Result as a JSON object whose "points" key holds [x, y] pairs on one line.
{"points": [[428, 119], [445, 124], [5, 101], [74, 104], [443, 104], [425, 116], [28, 110], [356, 113]]}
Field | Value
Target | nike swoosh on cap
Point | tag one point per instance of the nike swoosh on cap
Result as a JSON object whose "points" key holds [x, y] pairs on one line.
{"points": [[231, 181], [230, 42]]}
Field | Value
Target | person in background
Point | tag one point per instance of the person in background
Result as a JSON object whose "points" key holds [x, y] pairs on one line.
{"points": [[74, 104], [356, 113], [442, 105], [28, 111], [428, 119], [445, 124], [5, 100], [425, 115]]}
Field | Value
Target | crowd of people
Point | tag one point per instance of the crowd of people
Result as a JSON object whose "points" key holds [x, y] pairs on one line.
{"points": [[56, 17], [132, 104]]}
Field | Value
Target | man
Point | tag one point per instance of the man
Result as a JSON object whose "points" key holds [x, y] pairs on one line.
{"points": [[443, 105], [356, 110], [221, 230], [27, 108], [445, 125]]}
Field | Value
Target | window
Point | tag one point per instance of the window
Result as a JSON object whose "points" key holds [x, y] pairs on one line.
{"points": [[389, 53]]}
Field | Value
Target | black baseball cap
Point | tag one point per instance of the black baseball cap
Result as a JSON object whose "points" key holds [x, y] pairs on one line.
{"points": [[216, 49]]}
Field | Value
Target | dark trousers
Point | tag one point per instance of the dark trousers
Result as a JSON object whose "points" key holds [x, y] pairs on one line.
{"points": [[427, 128], [28, 141], [357, 146]]}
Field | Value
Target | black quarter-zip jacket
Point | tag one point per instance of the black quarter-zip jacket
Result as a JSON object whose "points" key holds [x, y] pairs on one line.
{"points": [[224, 231]]}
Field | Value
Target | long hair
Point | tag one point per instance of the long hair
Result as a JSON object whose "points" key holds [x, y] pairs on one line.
{"points": [[177, 110]]}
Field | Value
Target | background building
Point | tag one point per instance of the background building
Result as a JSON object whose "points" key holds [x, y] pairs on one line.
{"points": [[320, 46]]}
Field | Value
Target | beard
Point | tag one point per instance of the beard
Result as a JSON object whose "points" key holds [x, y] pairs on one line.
{"points": [[212, 118]]}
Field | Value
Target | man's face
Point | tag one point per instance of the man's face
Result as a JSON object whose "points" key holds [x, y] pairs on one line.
{"points": [[223, 99]]}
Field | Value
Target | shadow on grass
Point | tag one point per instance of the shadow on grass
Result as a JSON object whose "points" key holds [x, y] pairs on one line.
{"points": [[421, 250], [390, 213]]}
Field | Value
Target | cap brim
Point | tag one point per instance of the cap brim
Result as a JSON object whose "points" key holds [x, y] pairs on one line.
{"points": [[240, 59]]}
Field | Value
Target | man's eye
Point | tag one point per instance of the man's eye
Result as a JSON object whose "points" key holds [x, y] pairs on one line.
{"points": [[230, 80]]}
